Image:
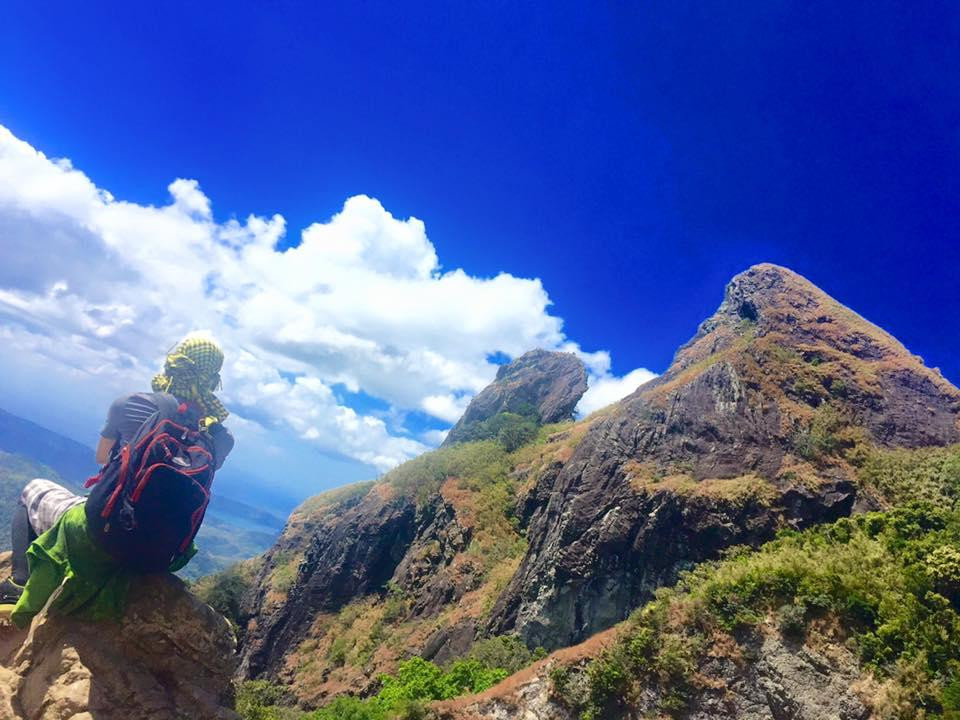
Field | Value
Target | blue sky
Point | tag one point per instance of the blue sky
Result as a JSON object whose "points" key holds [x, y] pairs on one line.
{"points": [[631, 157]]}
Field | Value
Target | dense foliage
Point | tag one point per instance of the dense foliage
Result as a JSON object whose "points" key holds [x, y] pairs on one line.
{"points": [[402, 696], [224, 591], [892, 579], [510, 429], [900, 476]]}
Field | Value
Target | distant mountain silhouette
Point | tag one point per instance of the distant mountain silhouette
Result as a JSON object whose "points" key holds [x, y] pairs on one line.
{"points": [[72, 461]]}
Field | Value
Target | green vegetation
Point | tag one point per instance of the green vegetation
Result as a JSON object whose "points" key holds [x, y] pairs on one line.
{"points": [[892, 579], [823, 436], [481, 463], [900, 476], [505, 651], [334, 498], [225, 590], [402, 696], [510, 429], [285, 565]]}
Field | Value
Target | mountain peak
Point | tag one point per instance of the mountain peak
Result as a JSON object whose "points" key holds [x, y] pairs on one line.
{"points": [[541, 385], [767, 298], [759, 413], [789, 344]]}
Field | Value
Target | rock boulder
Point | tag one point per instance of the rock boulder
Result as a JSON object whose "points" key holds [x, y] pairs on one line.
{"points": [[170, 657]]}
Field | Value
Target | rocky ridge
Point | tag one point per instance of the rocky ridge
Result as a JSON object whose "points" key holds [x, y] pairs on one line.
{"points": [[749, 431], [814, 679], [742, 435], [350, 544]]}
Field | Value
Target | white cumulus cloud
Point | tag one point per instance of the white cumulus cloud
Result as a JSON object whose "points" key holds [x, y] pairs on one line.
{"points": [[99, 288], [606, 389]]}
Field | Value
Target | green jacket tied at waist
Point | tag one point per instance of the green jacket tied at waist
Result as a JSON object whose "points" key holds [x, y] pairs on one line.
{"points": [[92, 586]]}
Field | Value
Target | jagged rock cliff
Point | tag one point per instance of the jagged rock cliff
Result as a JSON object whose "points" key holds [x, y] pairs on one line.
{"points": [[736, 439], [170, 658], [750, 430], [760, 424], [413, 535], [547, 385]]}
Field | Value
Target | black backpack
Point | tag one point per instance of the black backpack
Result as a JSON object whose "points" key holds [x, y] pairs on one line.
{"points": [[148, 501]]}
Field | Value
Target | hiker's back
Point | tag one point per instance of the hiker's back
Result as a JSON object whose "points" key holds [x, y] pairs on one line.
{"points": [[148, 501], [128, 413]]}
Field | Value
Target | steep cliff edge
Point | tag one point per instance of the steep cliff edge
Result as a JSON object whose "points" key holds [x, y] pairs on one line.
{"points": [[390, 558], [749, 430], [171, 657], [766, 420]]}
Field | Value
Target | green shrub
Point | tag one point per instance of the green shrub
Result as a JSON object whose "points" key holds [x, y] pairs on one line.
{"points": [[560, 677], [224, 593], [903, 476], [792, 620], [505, 651], [820, 438], [943, 568], [337, 654], [510, 429], [258, 700], [349, 708], [396, 606]]}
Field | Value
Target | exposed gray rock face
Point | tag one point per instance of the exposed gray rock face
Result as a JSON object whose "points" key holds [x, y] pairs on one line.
{"points": [[170, 657], [737, 403], [428, 575], [602, 548], [354, 554], [383, 537], [784, 680], [549, 383]]}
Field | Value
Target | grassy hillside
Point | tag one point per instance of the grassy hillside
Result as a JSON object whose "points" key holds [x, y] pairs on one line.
{"points": [[886, 584]]}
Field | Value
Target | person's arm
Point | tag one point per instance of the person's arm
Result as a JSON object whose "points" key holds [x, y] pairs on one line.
{"points": [[111, 430], [103, 449]]}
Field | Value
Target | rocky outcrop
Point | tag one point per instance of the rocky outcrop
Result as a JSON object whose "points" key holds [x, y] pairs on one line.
{"points": [[170, 657], [547, 385], [615, 546], [434, 575], [354, 550], [783, 679], [355, 553], [766, 393]]}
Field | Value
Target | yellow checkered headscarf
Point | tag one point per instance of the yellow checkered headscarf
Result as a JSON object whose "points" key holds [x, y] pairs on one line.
{"points": [[191, 374]]}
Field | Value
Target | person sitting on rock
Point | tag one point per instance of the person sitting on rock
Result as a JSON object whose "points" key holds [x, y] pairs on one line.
{"points": [[54, 546]]}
